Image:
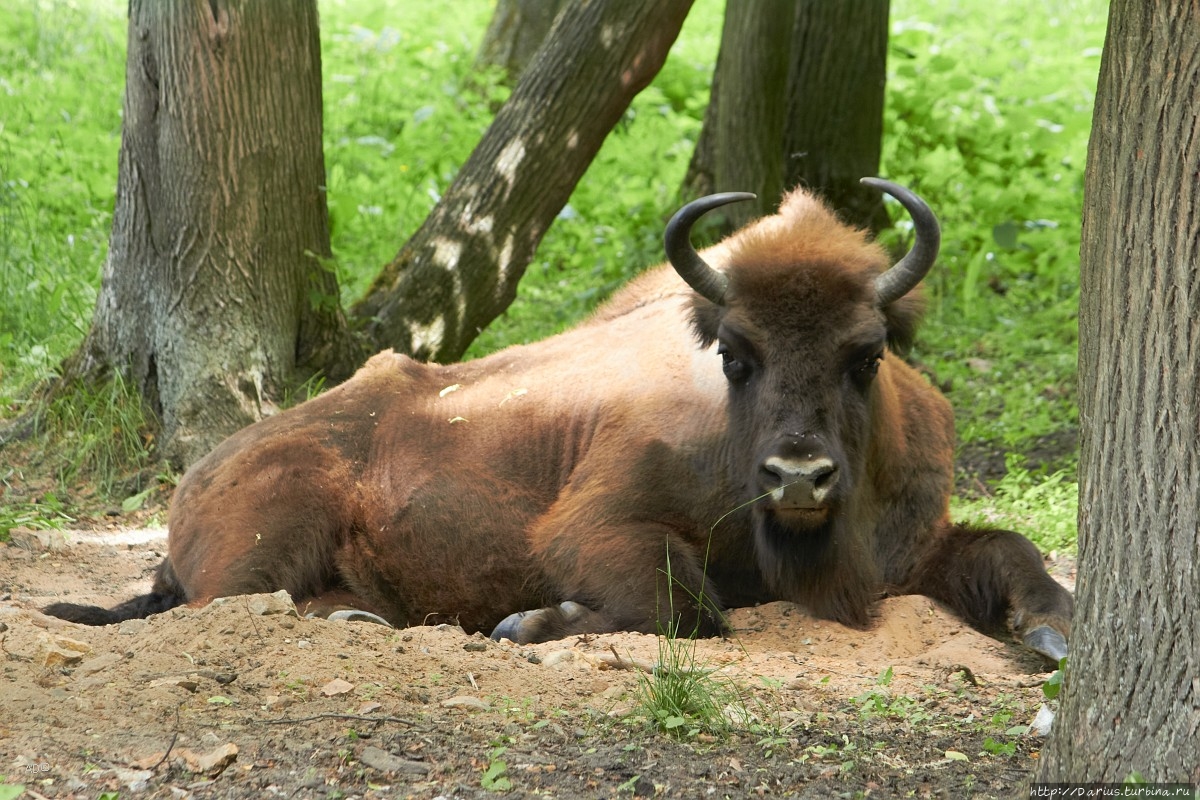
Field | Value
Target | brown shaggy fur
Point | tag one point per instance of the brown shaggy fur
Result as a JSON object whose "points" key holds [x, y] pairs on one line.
{"points": [[590, 466]]}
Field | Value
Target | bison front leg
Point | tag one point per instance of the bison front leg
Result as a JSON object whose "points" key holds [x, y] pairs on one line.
{"points": [[646, 579], [990, 576]]}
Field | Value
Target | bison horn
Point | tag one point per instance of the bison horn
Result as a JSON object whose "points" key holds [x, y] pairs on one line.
{"points": [[708, 282], [903, 277]]}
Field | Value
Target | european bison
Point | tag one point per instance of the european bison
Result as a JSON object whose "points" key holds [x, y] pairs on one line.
{"points": [[744, 434]]}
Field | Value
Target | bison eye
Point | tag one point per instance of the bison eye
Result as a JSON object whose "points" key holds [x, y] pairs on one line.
{"points": [[735, 369], [866, 369]]}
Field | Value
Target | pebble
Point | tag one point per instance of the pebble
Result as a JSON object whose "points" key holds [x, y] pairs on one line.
{"points": [[384, 761], [466, 701], [132, 627], [60, 651]]}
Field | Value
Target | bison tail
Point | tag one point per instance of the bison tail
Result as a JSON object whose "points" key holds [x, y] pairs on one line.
{"points": [[164, 595]]}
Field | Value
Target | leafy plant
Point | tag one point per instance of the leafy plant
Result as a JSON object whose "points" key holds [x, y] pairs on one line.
{"points": [[495, 777], [1054, 684]]}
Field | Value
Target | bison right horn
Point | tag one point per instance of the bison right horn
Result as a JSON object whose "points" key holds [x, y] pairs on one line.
{"points": [[903, 277], [709, 283]]}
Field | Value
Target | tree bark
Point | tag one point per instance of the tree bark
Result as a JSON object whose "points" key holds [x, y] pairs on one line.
{"points": [[740, 144], [834, 129], [460, 269], [518, 28], [214, 292], [1132, 696], [797, 99]]}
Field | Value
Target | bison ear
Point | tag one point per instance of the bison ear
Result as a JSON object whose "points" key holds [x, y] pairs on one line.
{"points": [[903, 318], [706, 320]]}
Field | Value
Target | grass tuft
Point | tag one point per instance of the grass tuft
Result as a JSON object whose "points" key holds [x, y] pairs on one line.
{"points": [[101, 433]]}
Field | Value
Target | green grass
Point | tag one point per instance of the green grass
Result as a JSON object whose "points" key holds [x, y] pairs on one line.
{"points": [[987, 116]]}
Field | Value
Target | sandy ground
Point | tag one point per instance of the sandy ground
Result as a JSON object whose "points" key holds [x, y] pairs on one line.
{"points": [[236, 700]]}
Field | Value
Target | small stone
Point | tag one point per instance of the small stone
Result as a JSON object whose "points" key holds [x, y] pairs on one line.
{"points": [[447, 628], [304, 644], [101, 662], [274, 702], [210, 763], [132, 627], [337, 686], [183, 682], [475, 647], [135, 779], [60, 651], [384, 761], [466, 701], [267, 604]]}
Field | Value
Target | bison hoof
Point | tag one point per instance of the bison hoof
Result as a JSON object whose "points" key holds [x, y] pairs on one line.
{"points": [[523, 626], [356, 615], [1047, 641]]}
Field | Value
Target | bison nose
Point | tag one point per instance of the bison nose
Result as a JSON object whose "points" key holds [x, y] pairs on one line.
{"points": [[800, 482]]}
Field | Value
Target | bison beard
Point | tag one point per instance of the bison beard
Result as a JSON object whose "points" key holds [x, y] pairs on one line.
{"points": [[826, 569], [603, 473]]}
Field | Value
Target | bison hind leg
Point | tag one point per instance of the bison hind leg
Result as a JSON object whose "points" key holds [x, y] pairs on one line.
{"points": [[547, 624]]}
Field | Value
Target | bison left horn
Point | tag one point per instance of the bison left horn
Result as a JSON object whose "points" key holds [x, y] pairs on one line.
{"points": [[903, 277], [709, 283]]}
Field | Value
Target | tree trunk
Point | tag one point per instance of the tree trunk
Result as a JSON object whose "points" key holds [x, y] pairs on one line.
{"points": [[461, 268], [741, 142], [214, 291], [797, 98], [834, 129], [517, 30], [1132, 697]]}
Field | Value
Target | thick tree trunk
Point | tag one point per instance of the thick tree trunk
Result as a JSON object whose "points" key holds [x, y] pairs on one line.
{"points": [[741, 142], [461, 268], [213, 292], [517, 30], [1132, 698], [834, 128], [797, 98]]}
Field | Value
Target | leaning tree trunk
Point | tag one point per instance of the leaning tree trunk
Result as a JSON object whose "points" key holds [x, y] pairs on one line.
{"points": [[461, 268], [1132, 697], [214, 290], [518, 28], [797, 98]]}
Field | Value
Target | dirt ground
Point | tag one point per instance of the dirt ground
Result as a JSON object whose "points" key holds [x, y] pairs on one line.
{"points": [[233, 701]]}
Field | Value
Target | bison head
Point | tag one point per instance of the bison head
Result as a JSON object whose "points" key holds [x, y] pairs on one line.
{"points": [[804, 310]]}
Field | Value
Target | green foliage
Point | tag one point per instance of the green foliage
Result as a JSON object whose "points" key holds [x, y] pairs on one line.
{"points": [[988, 117], [101, 432], [495, 777], [45, 513], [61, 76], [1043, 505], [11, 791], [1054, 684], [683, 698]]}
